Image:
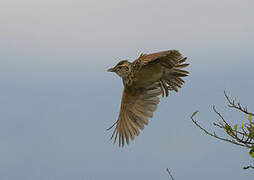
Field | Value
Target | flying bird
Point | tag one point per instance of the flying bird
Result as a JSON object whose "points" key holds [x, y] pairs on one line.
{"points": [[144, 80]]}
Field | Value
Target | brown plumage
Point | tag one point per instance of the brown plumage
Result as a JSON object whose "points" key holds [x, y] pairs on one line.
{"points": [[144, 80]]}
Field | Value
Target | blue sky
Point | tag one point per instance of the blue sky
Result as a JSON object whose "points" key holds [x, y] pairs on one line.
{"points": [[57, 98]]}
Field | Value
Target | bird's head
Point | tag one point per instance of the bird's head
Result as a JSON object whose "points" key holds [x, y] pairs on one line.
{"points": [[122, 69]]}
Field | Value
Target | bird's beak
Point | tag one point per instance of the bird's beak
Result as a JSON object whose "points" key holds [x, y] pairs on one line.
{"points": [[111, 70]]}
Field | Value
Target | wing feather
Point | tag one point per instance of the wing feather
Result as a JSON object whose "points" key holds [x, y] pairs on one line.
{"points": [[136, 107], [173, 62]]}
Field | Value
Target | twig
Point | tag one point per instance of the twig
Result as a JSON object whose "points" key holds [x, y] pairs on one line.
{"points": [[214, 109], [214, 134], [247, 167], [231, 104], [170, 174], [242, 136], [233, 134]]}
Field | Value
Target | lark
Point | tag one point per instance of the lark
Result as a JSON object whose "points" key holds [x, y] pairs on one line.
{"points": [[146, 78]]}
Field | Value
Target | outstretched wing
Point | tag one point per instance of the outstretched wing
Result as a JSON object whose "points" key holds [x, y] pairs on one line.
{"points": [[170, 57], [173, 63], [136, 107]]}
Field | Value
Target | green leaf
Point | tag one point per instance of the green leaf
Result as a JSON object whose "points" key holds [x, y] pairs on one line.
{"points": [[249, 117], [228, 129], [251, 132], [251, 153], [235, 127]]}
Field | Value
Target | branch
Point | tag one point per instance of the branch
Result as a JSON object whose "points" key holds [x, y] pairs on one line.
{"points": [[232, 133], [247, 167], [214, 134], [231, 104], [242, 136], [170, 174]]}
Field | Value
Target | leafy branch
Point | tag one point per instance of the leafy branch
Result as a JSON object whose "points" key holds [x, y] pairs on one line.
{"points": [[241, 136]]}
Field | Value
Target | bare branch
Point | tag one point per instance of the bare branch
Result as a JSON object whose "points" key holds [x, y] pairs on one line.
{"points": [[214, 109], [170, 174], [247, 167], [231, 104]]}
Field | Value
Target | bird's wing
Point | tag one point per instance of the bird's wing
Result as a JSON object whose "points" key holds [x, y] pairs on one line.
{"points": [[170, 56], [173, 62], [136, 107]]}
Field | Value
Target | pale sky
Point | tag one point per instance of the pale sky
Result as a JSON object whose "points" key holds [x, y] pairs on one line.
{"points": [[57, 98]]}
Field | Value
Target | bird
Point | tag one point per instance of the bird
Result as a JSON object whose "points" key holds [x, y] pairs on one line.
{"points": [[144, 79]]}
